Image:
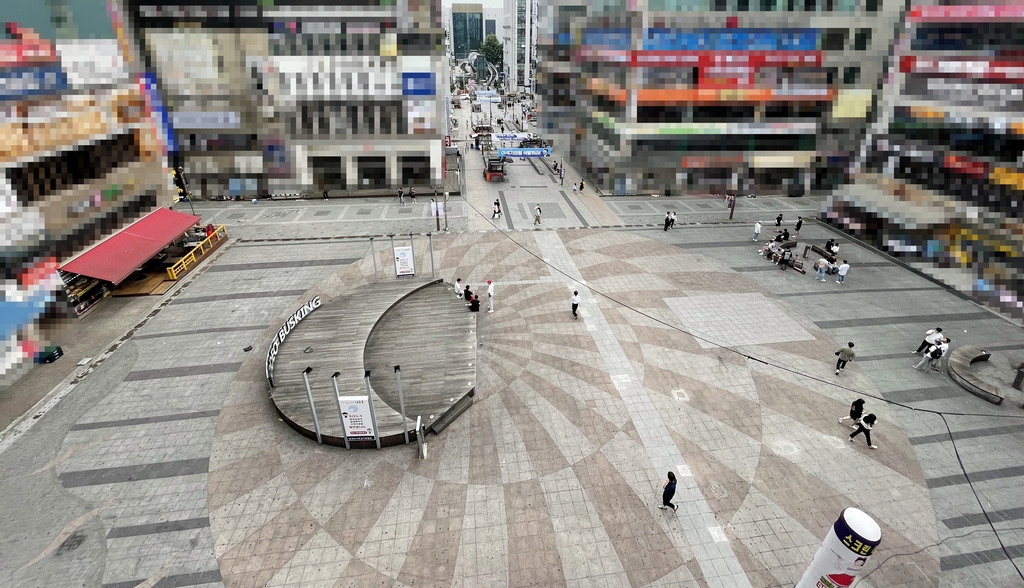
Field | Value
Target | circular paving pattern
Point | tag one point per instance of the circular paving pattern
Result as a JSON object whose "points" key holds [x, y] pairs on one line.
{"points": [[550, 477]]}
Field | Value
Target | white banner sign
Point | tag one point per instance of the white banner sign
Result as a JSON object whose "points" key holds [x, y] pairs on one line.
{"points": [[437, 209], [355, 413], [512, 136], [404, 264]]}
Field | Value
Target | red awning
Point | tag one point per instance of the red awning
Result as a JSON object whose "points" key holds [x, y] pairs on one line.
{"points": [[116, 258]]}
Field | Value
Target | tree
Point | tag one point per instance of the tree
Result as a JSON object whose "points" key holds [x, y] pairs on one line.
{"points": [[493, 51]]}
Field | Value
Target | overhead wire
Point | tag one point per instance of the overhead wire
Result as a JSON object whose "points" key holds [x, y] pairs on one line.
{"points": [[799, 374]]}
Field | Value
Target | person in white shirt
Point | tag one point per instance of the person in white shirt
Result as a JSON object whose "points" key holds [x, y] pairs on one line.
{"points": [[934, 354], [458, 287], [490, 296], [575, 301], [757, 230], [843, 270], [931, 337]]}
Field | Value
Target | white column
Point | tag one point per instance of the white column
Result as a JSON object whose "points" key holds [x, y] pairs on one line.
{"points": [[394, 170], [351, 173]]}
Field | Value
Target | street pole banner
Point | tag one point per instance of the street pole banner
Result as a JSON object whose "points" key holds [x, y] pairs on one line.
{"points": [[404, 264], [842, 555], [525, 152], [355, 414]]}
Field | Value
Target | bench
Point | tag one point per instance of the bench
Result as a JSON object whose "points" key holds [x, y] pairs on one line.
{"points": [[820, 251], [959, 369]]}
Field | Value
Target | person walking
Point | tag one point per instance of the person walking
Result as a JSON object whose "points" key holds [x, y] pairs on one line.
{"points": [[581, 185], [778, 221], [934, 354], [575, 301], [799, 223], [668, 491], [668, 220], [672, 224], [844, 269], [490, 296], [536, 214], [412, 194], [821, 269], [856, 411], [865, 425], [574, 188], [931, 337], [458, 288], [325, 194], [845, 354], [757, 231], [496, 210], [401, 197]]}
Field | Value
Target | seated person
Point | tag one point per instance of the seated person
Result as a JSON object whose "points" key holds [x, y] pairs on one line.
{"points": [[778, 238], [474, 304], [834, 250], [785, 234], [786, 258]]}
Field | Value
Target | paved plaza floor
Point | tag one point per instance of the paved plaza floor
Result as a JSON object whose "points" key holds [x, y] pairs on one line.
{"points": [[161, 462]]}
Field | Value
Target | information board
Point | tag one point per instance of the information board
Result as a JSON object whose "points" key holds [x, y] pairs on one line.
{"points": [[525, 152], [355, 413], [404, 263]]}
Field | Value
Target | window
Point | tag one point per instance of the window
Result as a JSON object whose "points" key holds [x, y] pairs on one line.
{"points": [[834, 39], [862, 39], [851, 75], [872, 5], [810, 5], [742, 5], [768, 5]]}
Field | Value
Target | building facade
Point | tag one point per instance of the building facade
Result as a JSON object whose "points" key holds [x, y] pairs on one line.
{"points": [[292, 97], [81, 154], [467, 28], [940, 181], [669, 96], [520, 41]]}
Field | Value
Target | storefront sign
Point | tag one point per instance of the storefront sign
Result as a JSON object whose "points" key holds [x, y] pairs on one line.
{"points": [[404, 263], [966, 67], [206, 120], [282, 333], [355, 414], [92, 63], [965, 13], [32, 81], [525, 152]]}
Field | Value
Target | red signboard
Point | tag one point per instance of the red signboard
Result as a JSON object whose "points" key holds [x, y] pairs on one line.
{"points": [[967, 166], [964, 67], [447, 140], [26, 48], [753, 59], [965, 13]]}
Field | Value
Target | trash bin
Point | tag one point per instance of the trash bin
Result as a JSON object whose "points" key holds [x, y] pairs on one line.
{"points": [[1019, 380], [49, 354]]}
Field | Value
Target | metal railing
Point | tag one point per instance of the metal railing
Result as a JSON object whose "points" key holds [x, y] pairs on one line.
{"points": [[183, 265]]}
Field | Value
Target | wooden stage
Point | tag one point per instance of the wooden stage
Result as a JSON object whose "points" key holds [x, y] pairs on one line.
{"points": [[415, 323]]}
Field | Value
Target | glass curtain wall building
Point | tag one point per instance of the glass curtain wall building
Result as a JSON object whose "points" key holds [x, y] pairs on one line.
{"points": [[669, 96], [941, 179], [294, 96], [467, 28]]}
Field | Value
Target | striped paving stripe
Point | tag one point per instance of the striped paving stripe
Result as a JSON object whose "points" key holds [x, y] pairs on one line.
{"points": [[963, 560], [976, 519], [200, 332], [927, 319], [236, 267], [976, 477], [191, 370], [154, 528], [240, 296], [134, 473], [146, 420], [969, 434], [176, 581]]}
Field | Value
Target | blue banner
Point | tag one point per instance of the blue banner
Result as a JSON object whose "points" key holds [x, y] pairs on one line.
{"points": [[418, 84], [32, 81], [156, 103], [731, 40], [525, 152]]}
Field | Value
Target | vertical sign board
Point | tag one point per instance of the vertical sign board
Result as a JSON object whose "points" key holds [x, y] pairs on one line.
{"points": [[355, 414], [842, 555], [404, 264]]}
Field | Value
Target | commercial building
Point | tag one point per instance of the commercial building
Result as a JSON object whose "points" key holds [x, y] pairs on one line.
{"points": [[520, 41], [467, 28], [664, 96], [292, 97], [81, 154], [941, 179]]}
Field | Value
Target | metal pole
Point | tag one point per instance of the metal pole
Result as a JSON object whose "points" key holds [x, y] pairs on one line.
{"points": [[392, 237], [446, 210], [430, 237], [309, 395], [373, 254], [419, 438], [412, 250], [437, 214], [732, 207], [373, 413], [401, 402], [341, 411]]}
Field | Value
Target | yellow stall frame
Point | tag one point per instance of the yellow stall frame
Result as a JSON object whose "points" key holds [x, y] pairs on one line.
{"points": [[189, 260]]}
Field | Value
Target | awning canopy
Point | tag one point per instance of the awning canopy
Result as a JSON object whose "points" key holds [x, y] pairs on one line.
{"points": [[116, 258]]}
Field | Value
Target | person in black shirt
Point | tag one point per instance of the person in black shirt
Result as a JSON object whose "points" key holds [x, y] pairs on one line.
{"points": [[668, 493], [474, 304], [466, 294]]}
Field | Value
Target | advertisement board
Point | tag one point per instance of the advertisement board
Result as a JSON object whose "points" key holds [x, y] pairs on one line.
{"points": [[525, 152], [842, 555], [355, 414], [206, 120], [92, 63], [405, 265], [23, 82]]}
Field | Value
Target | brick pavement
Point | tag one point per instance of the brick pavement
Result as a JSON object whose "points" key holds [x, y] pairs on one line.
{"points": [[167, 466]]}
